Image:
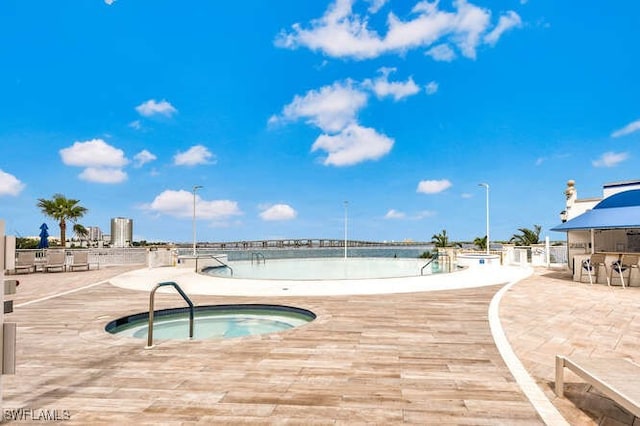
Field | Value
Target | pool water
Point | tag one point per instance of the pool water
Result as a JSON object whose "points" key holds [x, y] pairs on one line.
{"points": [[322, 268], [210, 322]]}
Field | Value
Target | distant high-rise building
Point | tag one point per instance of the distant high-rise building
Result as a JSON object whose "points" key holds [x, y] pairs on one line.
{"points": [[95, 233], [121, 232]]}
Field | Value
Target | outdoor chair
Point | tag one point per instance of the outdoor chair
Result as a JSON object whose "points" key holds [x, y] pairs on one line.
{"points": [[591, 266], [55, 260], [80, 259], [26, 261], [624, 265]]}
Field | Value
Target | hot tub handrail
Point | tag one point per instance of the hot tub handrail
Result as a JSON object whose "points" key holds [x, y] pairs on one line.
{"points": [[151, 303]]}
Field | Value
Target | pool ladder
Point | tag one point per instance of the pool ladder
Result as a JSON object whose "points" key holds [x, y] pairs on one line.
{"points": [[151, 303], [258, 257]]}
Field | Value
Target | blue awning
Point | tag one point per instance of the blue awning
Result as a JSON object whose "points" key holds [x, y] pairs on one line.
{"points": [[618, 211]]}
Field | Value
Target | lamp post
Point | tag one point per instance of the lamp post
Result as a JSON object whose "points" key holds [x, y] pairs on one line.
{"points": [[195, 188], [486, 185], [346, 205]]}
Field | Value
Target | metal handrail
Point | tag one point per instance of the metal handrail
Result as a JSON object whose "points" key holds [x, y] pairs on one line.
{"points": [[223, 264], [151, 303], [217, 260], [433, 257], [257, 256], [436, 257]]}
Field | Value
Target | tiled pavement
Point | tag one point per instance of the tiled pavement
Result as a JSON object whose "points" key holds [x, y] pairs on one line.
{"points": [[424, 358]]}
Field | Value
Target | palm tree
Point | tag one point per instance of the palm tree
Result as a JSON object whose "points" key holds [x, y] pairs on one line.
{"points": [[80, 231], [61, 208], [481, 243], [441, 239], [527, 236]]}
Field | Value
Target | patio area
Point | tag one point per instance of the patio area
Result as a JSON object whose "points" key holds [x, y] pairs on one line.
{"points": [[423, 357]]}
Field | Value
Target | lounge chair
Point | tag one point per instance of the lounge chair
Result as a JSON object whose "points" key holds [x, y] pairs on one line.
{"points": [[26, 261], [80, 259], [616, 378], [625, 264], [55, 260], [592, 265]]}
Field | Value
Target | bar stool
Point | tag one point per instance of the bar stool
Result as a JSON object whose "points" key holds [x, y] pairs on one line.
{"points": [[625, 264], [592, 265]]}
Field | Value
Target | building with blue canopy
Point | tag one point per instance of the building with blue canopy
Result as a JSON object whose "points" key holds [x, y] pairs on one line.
{"points": [[609, 225]]}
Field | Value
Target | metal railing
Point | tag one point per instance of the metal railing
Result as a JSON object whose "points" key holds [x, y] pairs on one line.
{"points": [[433, 257], [221, 264], [257, 256], [446, 260], [151, 311]]}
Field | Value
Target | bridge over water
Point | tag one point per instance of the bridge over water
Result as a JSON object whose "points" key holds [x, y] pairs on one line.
{"points": [[305, 243]]}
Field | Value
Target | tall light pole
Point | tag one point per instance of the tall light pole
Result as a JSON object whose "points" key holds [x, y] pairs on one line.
{"points": [[486, 185], [195, 188], [346, 205]]}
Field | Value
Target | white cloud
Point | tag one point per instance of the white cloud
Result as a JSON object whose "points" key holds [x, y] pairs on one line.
{"points": [[344, 34], [431, 88], [9, 184], [103, 175], [143, 157], [466, 195], [180, 204], [376, 5], [433, 186], [353, 145], [338, 33], [197, 154], [632, 127], [398, 215], [425, 214], [109, 2], [441, 53], [332, 108], [382, 87], [610, 159], [394, 214], [136, 124], [93, 153], [278, 212], [506, 22], [151, 108], [102, 162]]}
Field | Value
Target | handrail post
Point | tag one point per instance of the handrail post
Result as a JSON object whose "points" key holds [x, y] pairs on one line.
{"points": [[151, 310]]}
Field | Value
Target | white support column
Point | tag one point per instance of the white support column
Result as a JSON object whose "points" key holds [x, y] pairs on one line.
{"points": [[547, 249]]}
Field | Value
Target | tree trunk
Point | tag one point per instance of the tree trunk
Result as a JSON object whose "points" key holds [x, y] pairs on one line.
{"points": [[63, 233]]}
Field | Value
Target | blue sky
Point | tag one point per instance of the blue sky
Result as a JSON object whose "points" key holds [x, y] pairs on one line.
{"points": [[283, 110]]}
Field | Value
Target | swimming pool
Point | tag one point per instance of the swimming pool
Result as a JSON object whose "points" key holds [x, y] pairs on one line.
{"points": [[213, 322], [322, 268]]}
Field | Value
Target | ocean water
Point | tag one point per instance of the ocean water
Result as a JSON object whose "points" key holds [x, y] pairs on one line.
{"points": [[293, 253]]}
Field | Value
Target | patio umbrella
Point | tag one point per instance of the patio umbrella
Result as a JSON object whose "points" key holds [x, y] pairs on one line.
{"points": [[44, 236]]}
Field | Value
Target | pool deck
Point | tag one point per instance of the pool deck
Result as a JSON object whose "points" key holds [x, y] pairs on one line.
{"points": [[424, 357]]}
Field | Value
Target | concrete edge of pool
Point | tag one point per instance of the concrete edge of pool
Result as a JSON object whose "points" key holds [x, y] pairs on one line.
{"points": [[136, 325], [193, 283]]}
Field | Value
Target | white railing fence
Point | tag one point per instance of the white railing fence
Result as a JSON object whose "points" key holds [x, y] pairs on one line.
{"points": [[99, 256], [154, 257]]}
